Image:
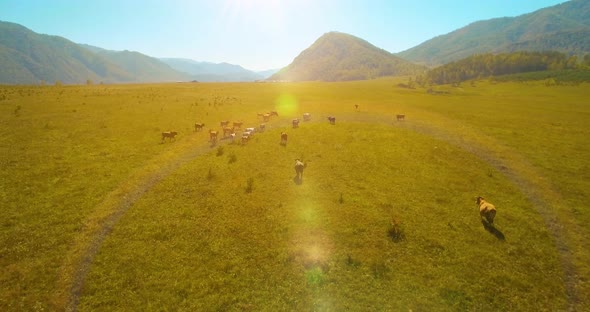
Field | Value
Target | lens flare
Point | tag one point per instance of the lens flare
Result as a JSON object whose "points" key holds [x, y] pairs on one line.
{"points": [[286, 105]]}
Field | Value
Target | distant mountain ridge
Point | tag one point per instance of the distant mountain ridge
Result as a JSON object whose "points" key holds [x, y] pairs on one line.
{"points": [[564, 28], [140, 67], [338, 56], [30, 58], [27, 57], [214, 72]]}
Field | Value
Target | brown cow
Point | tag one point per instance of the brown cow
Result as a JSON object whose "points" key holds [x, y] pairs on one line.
{"points": [[224, 123], [299, 166], [199, 126], [266, 117], [400, 117], [296, 123], [238, 124], [486, 210], [283, 138], [274, 113], [169, 134], [332, 120], [212, 136]]}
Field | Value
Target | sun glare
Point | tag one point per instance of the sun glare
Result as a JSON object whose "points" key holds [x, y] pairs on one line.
{"points": [[254, 12]]}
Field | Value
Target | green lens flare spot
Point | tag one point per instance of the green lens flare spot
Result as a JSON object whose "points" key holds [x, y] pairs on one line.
{"points": [[286, 105], [314, 276]]}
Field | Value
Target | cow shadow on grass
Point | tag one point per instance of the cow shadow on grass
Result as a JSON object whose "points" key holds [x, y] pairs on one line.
{"points": [[298, 180], [493, 230]]}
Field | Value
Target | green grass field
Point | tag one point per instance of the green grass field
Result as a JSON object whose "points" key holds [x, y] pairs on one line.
{"points": [[99, 214]]}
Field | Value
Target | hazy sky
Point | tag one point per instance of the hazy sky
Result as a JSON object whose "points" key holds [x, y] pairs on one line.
{"points": [[256, 34]]}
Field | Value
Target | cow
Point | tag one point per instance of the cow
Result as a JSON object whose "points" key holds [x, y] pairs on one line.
{"points": [[262, 127], [238, 124], [212, 136], [245, 137], [283, 138], [224, 123], [232, 137], [227, 131], [299, 166], [274, 113], [356, 106], [169, 134], [332, 120], [400, 117], [260, 115], [296, 123], [199, 126], [306, 117], [487, 211], [266, 117]]}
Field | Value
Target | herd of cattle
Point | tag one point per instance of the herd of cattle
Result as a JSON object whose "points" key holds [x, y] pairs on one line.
{"points": [[487, 210], [230, 132]]}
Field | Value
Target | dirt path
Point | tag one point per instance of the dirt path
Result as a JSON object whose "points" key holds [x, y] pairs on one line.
{"points": [[77, 264], [100, 224]]}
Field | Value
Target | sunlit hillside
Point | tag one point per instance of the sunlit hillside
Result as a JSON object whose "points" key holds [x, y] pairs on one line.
{"points": [[564, 28], [340, 57]]}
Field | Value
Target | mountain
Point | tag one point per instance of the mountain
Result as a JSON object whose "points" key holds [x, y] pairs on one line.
{"points": [[267, 73], [564, 28], [141, 67], [27, 57], [338, 56], [211, 72]]}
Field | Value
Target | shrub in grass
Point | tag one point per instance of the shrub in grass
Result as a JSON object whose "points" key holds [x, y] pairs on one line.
{"points": [[341, 199], [210, 175], [395, 231], [352, 262], [379, 270], [232, 158], [249, 185]]}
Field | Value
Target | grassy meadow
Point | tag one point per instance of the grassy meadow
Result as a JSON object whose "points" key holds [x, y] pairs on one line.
{"points": [[98, 214]]}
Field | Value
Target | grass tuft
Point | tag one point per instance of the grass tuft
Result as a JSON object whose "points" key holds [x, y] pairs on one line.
{"points": [[232, 158], [352, 262], [210, 174], [249, 185]]}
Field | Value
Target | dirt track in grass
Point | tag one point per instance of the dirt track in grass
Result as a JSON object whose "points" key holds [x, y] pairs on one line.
{"points": [[83, 252]]}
